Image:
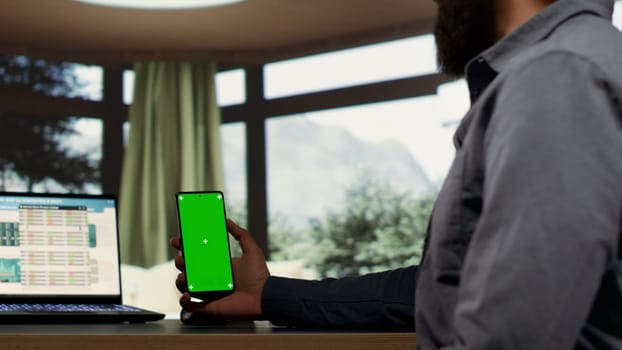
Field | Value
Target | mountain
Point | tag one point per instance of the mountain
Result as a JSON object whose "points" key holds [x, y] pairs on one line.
{"points": [[310, 166]]}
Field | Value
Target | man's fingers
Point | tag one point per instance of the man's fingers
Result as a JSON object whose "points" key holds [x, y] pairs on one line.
{"points": [[236, 231], [180, 263], [247, 243], [191, 306], [176, 243], [185, 302], [180, 282]]}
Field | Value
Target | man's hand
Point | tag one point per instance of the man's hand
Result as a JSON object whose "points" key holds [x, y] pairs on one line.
{"points": [[250, 272]]}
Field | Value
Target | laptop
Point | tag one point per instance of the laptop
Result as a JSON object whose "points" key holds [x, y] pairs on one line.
{"points": [[59, 260]]}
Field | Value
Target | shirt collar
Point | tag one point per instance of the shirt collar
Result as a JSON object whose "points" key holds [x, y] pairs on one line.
{"points": [[482, 70]]}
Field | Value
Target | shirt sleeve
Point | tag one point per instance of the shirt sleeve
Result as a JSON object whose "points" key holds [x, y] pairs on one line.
{"points": [[552, 202], [383, 300]]}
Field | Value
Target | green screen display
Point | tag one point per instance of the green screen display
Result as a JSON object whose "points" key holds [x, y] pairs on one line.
{"points": [[205, 241]]}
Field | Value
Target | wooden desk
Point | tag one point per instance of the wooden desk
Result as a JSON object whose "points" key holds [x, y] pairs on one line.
{"points": [[171, 334]]}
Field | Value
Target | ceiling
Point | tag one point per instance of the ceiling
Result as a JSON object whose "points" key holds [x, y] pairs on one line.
{"points": [[250, 32]]}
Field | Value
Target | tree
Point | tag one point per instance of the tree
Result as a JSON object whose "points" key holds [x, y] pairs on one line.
{"points": [[377, 229], [285, 242], [236, 211], [31, 145]]}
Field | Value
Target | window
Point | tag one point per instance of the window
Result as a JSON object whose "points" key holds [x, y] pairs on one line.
{"points": [[89, 81], [336, 176], [230, 87], [61, 79], [46, 155], [234, 164], [85, 146], [380, 62], [350, 189], [40, 151], [128, 86]]}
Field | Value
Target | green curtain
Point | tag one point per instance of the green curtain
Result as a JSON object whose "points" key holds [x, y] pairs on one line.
{"points": [[174, 145]]}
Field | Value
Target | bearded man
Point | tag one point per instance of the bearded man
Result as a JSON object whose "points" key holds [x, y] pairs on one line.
{"points": [[524, 246]]}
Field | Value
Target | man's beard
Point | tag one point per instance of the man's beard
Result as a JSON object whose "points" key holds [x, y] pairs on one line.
{"points": [[464, 28]]}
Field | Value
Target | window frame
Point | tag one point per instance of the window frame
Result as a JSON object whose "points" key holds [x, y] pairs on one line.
{"points": [[253, 113], [258, 109]]}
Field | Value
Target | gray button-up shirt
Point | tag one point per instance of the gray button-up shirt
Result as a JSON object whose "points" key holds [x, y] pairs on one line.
{"points": [[524, 247]]}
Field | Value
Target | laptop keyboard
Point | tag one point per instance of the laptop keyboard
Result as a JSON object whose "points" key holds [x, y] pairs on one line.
{"points": [[65, 308]]}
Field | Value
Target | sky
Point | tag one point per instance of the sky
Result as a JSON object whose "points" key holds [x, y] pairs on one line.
{"points": [[424, 125]]}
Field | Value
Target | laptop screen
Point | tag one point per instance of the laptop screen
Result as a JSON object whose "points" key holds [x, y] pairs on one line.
{"points": [[58, 245]]}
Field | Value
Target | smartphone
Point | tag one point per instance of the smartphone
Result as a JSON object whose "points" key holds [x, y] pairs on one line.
{"points": [[205, 244]]}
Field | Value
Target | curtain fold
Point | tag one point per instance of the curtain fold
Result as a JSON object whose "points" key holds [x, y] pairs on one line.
{"points": [[174, 145]]}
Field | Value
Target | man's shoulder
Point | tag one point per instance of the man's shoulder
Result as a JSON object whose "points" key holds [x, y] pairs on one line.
{"points": [[588, 39]]}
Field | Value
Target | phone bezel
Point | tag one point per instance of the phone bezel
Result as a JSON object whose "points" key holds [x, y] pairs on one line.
{"points": [[209, 294]]}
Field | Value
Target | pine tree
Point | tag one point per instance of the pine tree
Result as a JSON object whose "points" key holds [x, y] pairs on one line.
{"points": [[30, 145]]}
